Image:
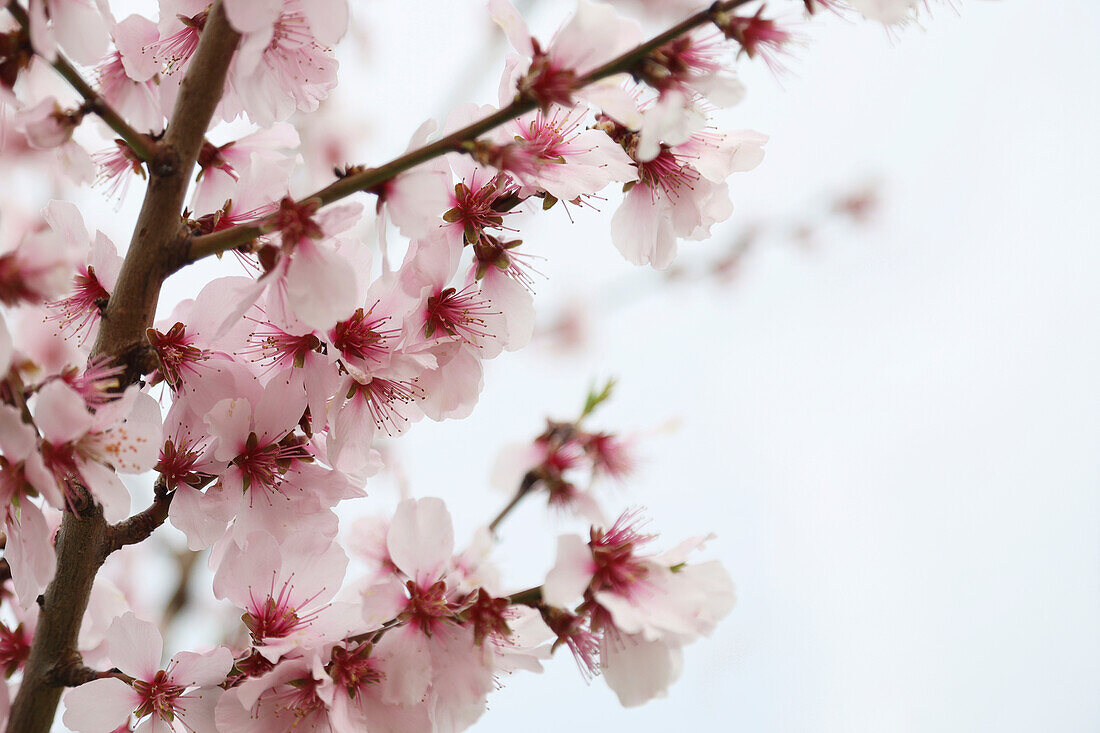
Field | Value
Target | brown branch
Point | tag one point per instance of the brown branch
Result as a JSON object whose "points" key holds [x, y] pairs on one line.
{"points": [[530, 480], [142, 145], [139, 527], [371, 179], [154, 251]]}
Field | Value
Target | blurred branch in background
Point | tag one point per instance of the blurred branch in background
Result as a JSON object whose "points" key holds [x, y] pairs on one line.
{"points": [[571, 328]]}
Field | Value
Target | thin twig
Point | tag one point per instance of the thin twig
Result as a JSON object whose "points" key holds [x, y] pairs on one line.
{"points": [[530, 480]]}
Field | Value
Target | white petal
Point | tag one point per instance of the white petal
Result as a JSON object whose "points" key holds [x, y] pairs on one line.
{"points": [[639, 670]]}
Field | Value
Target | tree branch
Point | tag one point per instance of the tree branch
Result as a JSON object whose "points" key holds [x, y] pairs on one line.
{"points": [[139, 527], [530, 479], [142, 145], [154, 251], [372, 179]]}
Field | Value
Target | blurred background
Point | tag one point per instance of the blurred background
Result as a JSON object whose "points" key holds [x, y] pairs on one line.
{"points": [[878, 383]]}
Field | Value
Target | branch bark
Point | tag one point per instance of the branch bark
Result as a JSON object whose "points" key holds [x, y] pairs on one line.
{"points": [[154, 252], [371, 179]]}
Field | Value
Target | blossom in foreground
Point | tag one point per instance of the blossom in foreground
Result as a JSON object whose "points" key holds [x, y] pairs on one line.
{"points": [[185, 690]]}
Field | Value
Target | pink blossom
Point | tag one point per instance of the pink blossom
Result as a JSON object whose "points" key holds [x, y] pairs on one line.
{"points": [[222, 167], [185, 689], [76, 26], [285, 589], [282, 68], [121, 436], [46, 125], [128, 76], [681, 193], [595, 34], [551, 152]]}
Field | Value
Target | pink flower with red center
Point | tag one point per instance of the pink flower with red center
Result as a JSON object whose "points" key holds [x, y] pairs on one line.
{"points": [[264, 467], [595, 34], [645, 606], [281, 68], [757, 35], [177, 353], [367, 340], [285, 589], [184, 691], [480, 202], [462, 314], [681, 193], [222, 167], [552, 152], [121, 435]]}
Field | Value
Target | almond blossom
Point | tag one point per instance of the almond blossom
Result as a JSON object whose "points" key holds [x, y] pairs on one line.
{"points": [[184, 690]]}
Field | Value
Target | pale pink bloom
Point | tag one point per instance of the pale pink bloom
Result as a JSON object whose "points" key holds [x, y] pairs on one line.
{"points": [[29, 549], [596, 33], [385, 401], [78, 314], [46, 125], [76, 26], [265, 477], [415, 199], [552, 152], [646, 606], [314, 284], [116, 167], [283, 68], [122, 436], [367, 341], [285, 589], [432, 655], [446, 313], [181, 23], [128, 76], [222, 167], [40, 266], [680, 194], [185, 690]]}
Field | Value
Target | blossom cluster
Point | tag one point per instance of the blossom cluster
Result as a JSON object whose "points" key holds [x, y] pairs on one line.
{"points": [[267, 399]]}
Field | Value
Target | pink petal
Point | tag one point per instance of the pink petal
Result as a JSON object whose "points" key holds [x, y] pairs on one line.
{"points": [[421, 538], [571, 574], [201, 670], [60, 413], [100, 706], [134, 646]]}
